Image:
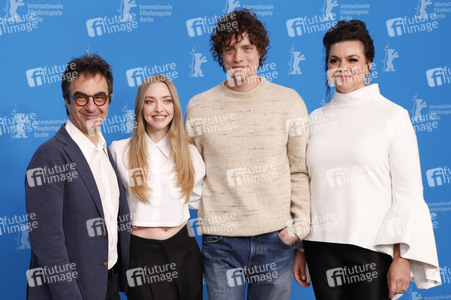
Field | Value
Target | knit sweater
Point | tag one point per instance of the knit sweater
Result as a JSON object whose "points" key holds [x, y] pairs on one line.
{"points": [[254, 146], [366, 183]]}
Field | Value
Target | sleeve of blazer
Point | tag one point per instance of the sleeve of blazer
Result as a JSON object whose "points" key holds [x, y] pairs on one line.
{"points": [[48, 244]]}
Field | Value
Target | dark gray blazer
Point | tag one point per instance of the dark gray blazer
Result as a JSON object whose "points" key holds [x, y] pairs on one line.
{"points": [[70, 228]]}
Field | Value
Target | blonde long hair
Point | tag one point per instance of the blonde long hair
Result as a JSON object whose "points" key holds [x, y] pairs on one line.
{"points": [[137, 155]]}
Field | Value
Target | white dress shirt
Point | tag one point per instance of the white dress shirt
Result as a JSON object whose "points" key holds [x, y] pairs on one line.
{"points": [[365, 179], [165, 208], [106, 181]]}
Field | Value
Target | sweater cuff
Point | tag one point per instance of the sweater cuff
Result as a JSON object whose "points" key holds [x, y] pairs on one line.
{"points": [[300, 229]]}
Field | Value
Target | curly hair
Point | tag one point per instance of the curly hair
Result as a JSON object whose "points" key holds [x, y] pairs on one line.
{"points": [[354, 30], [91, 64], [233, 27]]}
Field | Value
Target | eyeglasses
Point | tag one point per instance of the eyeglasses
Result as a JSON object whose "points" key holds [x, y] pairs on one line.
{"points": [[83, 99]]}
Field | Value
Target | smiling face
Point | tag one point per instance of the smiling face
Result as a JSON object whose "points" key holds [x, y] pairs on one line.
{"points": [[158, 110], [347, 66], [241, 60], [89, 117]]}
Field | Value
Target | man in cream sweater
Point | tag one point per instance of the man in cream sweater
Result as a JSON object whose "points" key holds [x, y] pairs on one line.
{"points": [[252, 135]]}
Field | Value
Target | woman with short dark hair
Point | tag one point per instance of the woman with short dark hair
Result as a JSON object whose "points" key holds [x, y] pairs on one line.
{"points": [[371, 229]]}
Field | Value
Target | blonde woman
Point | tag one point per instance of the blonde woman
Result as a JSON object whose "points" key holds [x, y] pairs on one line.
{"points": [[163, 175]]}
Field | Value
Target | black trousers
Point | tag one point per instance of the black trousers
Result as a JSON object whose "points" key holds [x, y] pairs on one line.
{"points": [[347, 272], [112, 292], [165, 270]]}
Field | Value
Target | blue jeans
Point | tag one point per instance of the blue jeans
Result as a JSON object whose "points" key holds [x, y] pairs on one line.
{"points": [[263, 262]]}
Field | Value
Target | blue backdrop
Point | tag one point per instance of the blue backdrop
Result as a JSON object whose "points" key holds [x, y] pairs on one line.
{"points": [[38, 37]]}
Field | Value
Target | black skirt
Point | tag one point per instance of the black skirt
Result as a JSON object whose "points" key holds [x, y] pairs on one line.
{"points": [[347, 272]]}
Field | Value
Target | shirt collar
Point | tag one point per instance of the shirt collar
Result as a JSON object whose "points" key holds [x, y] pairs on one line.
{"points": [[86, 146], [164, 145]]}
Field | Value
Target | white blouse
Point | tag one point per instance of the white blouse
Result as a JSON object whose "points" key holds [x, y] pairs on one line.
{"points": [[166, 208], [365, 180]]}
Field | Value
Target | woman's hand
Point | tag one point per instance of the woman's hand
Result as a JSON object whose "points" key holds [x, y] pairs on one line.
{"points": [[398, 274], [299, 268]]}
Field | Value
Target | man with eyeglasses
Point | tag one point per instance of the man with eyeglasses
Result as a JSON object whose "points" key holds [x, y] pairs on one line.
{"points": [[80, 247]]}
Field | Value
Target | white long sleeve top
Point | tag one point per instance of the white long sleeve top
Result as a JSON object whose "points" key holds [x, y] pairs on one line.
{"points": [[365, 180], [165, 208]]}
